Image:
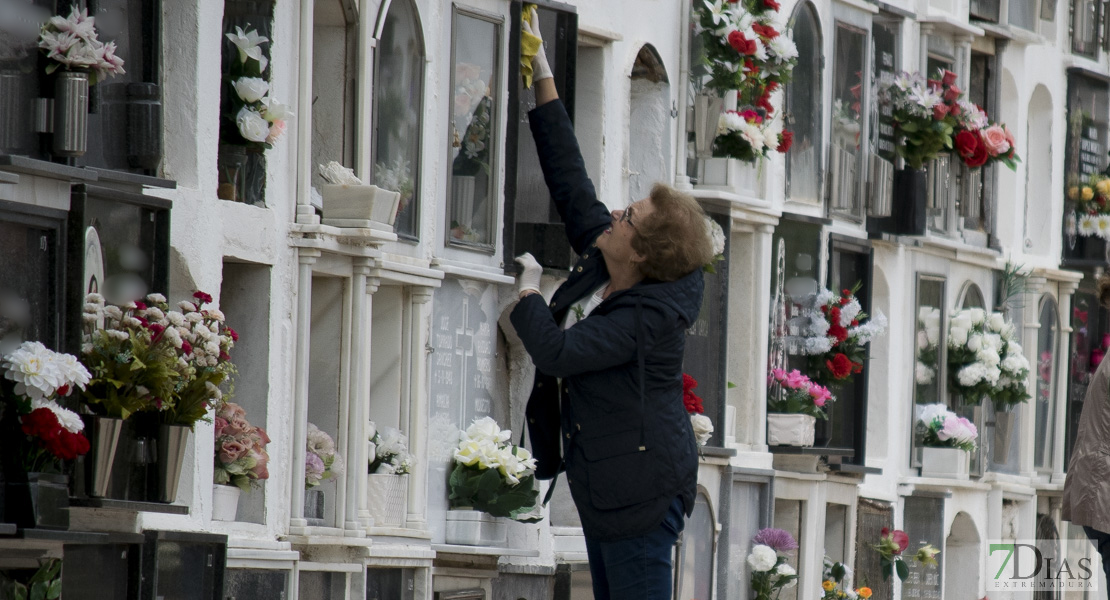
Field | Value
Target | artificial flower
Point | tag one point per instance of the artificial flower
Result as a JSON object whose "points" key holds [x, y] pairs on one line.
{"points": [[249, 44]]}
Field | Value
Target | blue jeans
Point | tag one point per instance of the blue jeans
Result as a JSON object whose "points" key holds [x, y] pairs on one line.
{"points": [[637, 568], [1101, 541]]}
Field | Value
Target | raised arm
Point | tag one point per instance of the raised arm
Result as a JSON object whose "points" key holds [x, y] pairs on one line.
{"points": [[564, 171]]}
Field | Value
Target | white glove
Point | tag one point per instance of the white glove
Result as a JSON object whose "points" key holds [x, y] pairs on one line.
{"points": [[540, 68], [530, 271]]}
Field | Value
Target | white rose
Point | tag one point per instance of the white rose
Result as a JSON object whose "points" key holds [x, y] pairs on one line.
{"points": [[957, 336], [251, 89], [977, 315], [988, 357], [933, 331], [703, 428], [762, 558], [922, 340], [997, 322], [251, 125], [975, 342], [962, 320]]}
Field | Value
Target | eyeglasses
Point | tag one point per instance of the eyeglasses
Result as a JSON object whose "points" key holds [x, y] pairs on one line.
{"points": [[626, 216]]}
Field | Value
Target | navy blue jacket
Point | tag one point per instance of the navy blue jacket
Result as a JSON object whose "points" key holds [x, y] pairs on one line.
{"points": [[617, 424]]}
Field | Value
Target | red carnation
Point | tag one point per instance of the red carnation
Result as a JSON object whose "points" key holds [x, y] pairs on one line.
{"points": [[749, 67], [764, 102], [771, 5], [139, 305], [855, 322], [751, 116], [838, 331], [233, 334], [690, 400], [41, 423], [224, 356], [934, 84], [786, 139], [840, 366], [966, 143], [204, 298], [186, 348]]}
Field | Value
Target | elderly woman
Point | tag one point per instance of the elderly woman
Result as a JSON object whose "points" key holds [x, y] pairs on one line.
{"points": [[608, 354], [1087, 488]]}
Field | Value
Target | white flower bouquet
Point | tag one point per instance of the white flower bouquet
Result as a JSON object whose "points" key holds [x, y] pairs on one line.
{"points": [[942, 428], [387, 451], [71, 44], [985, 359], [491, 474], [927, 345], [259, 119]]}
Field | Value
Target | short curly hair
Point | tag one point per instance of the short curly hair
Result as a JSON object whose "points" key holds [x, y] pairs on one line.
{"points": [[673, 237]]}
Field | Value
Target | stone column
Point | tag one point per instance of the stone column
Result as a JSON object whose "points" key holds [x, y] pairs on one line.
{"points": [[1031, 325], [417, 400], [1063, 357], [355, 503], [306, 258]]}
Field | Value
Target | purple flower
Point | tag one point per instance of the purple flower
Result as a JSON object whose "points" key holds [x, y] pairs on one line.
{"points": [[779, 539], [313, 467]]}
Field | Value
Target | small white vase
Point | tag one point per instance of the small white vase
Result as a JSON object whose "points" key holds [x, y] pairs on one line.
{"points": [[385, 498], [790, 429], [947, 463], [475, 528], [225, 502], [731, 175]]}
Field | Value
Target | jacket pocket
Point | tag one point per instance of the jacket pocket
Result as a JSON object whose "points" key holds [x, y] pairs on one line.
{"points": [[620, 471]]}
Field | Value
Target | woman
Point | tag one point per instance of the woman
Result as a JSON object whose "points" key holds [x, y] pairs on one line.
{"points": [[1087, 488], [614, 333]]}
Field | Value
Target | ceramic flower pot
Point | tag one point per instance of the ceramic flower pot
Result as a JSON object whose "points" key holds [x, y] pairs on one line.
{"points": [[360, 202], [945, 463], [225, 502], [386, 497], [731, 175], [790, 429], [467, 527]]}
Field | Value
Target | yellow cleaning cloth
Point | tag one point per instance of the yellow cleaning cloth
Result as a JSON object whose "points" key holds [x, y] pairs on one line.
{"points": [[529, 46]]}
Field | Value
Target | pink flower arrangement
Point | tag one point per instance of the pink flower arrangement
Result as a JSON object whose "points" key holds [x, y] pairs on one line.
{"points": [[794, 392], [240, 449]]}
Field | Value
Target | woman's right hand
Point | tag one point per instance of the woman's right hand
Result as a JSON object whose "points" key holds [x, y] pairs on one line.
{"points": [[540, 68], [528, 281]]}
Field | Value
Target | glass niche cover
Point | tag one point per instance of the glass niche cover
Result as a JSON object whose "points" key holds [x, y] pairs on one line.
{"points": [[29, 275], [118, 246], [472, 145]]}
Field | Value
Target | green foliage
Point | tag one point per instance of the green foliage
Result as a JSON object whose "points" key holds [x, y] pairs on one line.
{"points": [[120, 368], [45, 584], [486, 490]]}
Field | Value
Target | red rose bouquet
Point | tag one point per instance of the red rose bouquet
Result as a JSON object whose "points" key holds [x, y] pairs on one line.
{"points": [[702, 425], [35, 378]]}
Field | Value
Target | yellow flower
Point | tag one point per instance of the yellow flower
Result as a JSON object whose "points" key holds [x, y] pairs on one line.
{"points": [[827, 585], [1103, 187], [1073, 193], [864, 592], [1087, 193]]}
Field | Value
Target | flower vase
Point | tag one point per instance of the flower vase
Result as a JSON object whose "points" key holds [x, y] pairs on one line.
{"points": [[910, 196], [1005, 432], [71, 113], [170, 443], [945, 463], [225, 502], [467, 527], [386, 499], [231, 172], [37, 500], [708, 107], [314, 507], [103, 434], [731, 175], [790, 429]]}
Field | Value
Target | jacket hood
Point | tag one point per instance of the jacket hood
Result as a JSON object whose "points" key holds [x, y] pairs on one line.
{"points": [[682, 295]]}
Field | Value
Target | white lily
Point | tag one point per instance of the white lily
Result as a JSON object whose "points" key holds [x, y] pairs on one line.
{"points": [[248, 43]]}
